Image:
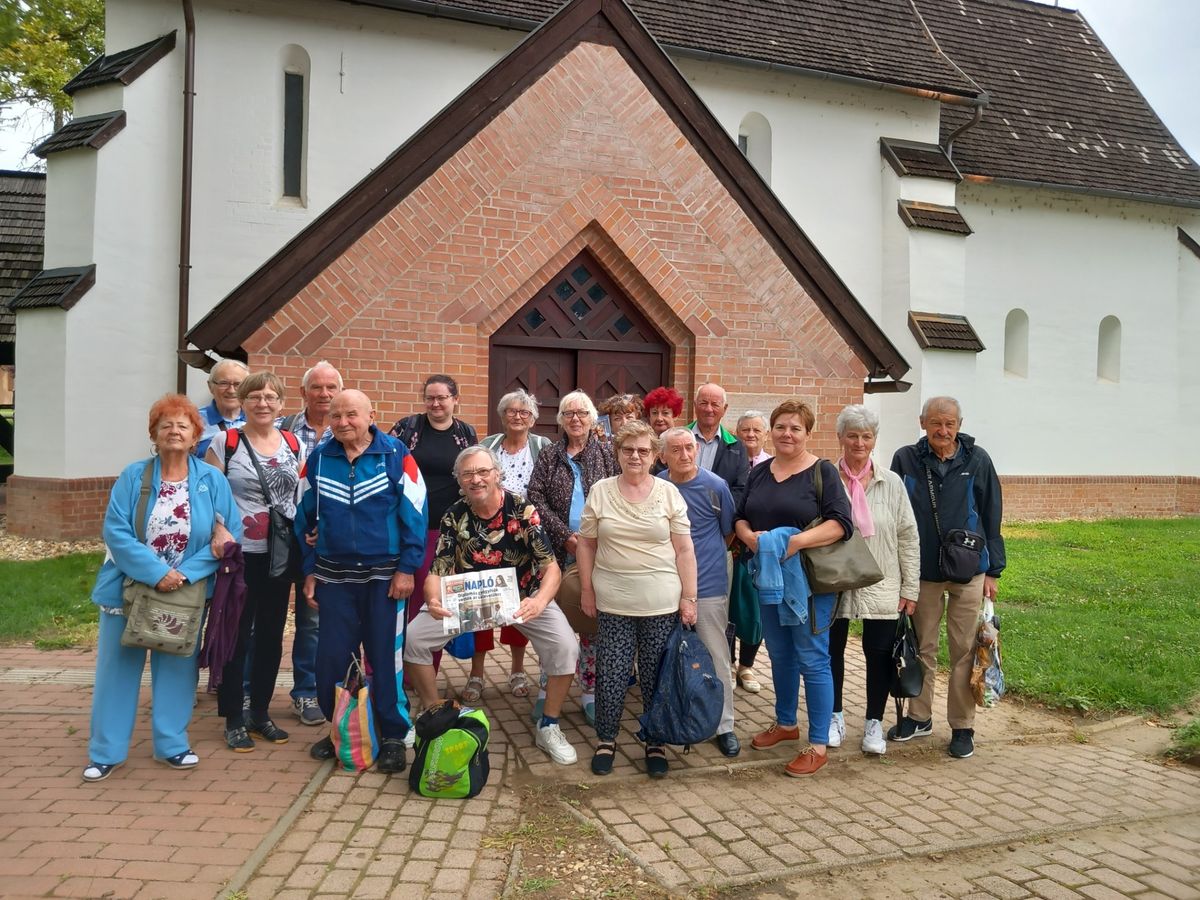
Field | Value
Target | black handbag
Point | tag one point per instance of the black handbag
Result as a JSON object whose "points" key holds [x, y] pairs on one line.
{"points": [[908, 675], [840, 566], [959, 550], [279, 530]]}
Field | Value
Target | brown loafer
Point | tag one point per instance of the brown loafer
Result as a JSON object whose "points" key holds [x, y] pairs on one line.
{"points": [[807, 763], [776, 734]]}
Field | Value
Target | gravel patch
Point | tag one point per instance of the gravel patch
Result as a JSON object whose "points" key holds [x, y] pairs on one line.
{"points": [[15, 547]]}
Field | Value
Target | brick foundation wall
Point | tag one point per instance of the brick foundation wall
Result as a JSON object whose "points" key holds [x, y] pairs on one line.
{"points": [[57, 509], [1099, 496]]}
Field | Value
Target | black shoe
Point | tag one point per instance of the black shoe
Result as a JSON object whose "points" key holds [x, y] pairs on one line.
{"points": [[728, 744], [656, 762], [322, 749], [962, 743], [602, 760], [910, 728], [267, 730], [237, 740], [391, 757]]}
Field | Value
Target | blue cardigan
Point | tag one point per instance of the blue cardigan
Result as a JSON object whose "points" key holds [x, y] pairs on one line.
{"points": [[209, 496]]}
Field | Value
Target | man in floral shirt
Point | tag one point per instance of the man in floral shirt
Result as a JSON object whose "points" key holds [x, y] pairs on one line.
{"points": [[491, 528]]}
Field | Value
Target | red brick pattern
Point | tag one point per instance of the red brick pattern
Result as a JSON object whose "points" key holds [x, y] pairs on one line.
{"points": [[1099, 496], [57, 509]]}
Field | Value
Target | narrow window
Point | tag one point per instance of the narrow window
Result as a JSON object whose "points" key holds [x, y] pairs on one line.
{"points": [[754, 140], [1016, 344], [1108, 353], [293, 133]]}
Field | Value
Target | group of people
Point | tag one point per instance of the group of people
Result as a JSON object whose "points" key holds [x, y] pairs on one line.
{"points": [[619, 530]]}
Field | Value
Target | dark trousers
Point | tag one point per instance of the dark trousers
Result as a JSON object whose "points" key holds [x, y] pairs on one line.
{"points": [[877, 638], [363, 614], [264, 614], [748, 652]]}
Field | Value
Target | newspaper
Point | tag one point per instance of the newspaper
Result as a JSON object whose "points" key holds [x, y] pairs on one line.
{"points": [[480, 600]]}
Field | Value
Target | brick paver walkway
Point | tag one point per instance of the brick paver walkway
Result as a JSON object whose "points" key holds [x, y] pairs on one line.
{"points": [[1043, 816]]}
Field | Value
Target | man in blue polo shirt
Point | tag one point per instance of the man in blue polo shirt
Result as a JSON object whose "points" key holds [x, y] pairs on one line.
{"points": [[710, 510], [225, 411]]}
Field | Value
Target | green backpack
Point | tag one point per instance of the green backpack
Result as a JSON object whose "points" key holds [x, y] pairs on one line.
{"points": [[451, 752]]}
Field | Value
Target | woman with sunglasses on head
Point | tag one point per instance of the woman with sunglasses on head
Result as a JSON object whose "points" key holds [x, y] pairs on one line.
{"points": [[435, 437]]}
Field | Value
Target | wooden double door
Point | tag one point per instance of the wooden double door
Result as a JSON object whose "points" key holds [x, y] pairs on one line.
{"points": [[579, 332]]}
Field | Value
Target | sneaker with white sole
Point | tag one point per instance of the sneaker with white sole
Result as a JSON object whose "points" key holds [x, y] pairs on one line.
{"points": [[308, 711], [873, 741], [837, 730], [551, 739]]}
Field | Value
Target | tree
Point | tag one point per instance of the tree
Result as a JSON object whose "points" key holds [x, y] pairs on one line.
{"points": [[43, 45]]}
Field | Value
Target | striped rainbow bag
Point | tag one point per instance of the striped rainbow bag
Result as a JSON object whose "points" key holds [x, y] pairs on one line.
{"points": [[354, 740]]}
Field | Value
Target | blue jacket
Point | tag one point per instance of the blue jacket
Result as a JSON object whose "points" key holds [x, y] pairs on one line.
{"points": [[209, 497], [968, 497], [780, 581], [366, 511]]}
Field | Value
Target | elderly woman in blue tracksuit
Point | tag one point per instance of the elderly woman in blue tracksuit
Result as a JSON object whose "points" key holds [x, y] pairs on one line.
{"points": [[188, 502], [780, 501], [366, 504]]}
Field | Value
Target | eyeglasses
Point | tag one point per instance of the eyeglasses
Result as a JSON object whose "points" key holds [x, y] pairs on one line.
{"points": [[518, 413], [643, 452], [225, 384], [262, 398], [472, 474], [440, 398], [576, 414]]}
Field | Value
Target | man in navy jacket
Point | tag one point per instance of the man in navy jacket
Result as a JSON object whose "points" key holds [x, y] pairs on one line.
{"points": [[959, 474]]}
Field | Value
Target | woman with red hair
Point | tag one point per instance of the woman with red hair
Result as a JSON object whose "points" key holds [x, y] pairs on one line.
{"points": [[663, 406]]}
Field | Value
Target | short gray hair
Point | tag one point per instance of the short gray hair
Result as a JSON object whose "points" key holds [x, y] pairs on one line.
{"points": [[857, 417], [674, 432], [323, 364], [518, 397], [934, 402], [581, 398], [752, 414], [713, 384], [212, 375], [471, 451]]}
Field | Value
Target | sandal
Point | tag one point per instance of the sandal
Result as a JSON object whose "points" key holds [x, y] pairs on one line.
{"points": [[748, 681], [473, 692], [518, 683], [602, 759]]}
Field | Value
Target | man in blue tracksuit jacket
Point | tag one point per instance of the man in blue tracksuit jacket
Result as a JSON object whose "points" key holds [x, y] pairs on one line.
{"points": [[366, 505], [964, 481]]}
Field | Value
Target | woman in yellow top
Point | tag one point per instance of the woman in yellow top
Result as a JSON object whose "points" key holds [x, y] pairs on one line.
{"points": [[637, 572]]}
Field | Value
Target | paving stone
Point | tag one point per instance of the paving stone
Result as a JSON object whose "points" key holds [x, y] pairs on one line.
{"points": [[1170, 887], [1051, 890], [1001, 887]]}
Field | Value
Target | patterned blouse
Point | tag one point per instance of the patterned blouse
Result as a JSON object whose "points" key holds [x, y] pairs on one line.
{"points": [[170, 523], [513, 537], [282, 474]]}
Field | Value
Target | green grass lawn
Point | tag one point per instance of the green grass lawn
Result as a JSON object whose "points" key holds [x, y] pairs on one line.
{"points": [[1103, 615], [48, 601]]}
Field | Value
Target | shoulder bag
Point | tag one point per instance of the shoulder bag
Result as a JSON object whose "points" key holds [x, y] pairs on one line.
{"points": [[842, 565], [168, 622], [279, 531], [959, 550]]}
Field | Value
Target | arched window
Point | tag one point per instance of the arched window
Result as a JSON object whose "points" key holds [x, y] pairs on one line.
{"points": [[754, 140], [1016, 344], [1108, 352], [296, 67]]}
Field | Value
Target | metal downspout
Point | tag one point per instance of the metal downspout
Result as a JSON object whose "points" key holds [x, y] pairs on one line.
{"points": [[185, 193]]}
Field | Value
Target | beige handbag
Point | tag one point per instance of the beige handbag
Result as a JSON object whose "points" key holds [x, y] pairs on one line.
{"points": [[842, 565]]}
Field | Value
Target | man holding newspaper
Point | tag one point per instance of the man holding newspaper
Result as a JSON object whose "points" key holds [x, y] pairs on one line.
{"points": [[494, 566]]}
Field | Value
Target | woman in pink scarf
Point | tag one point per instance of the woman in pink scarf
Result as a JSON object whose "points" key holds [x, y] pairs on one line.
{"points": [[881, 512]]}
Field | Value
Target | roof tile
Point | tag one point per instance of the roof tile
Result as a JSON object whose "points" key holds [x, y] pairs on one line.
{"points": [[123, 66], [87, 131]]}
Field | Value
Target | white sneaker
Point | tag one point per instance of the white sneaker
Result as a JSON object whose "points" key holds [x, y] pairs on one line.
{"points": [[837, 730], [410, 739], [873, 741], [553, 741]]}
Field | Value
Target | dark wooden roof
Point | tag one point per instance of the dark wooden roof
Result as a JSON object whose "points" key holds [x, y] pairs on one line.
{"points": [[122, 67], [931, 215], [610, 22], [86, 131], [1190, 242], [22, 230], [913, 158], [1061, 109], [55, 287], [941, 331], [876, 40]]}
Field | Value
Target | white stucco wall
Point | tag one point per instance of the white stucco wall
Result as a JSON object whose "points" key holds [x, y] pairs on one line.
{"points": [[1187, 346]]}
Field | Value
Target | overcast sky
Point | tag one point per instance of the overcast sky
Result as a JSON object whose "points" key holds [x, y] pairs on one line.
{"points": [[1155, 40]]}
